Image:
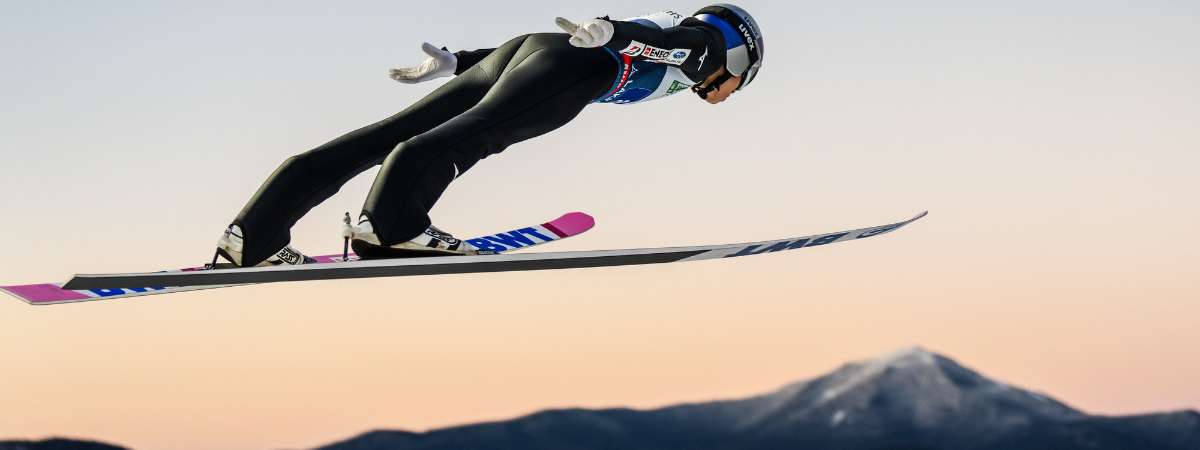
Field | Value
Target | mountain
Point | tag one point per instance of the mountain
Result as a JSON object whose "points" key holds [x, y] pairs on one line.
{"points": [[57, 444], [912, 399]]}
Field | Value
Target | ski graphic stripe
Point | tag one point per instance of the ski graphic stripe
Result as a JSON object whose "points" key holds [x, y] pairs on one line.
{"points": [[570, 224], [52, 293], [474, 264], [553, 229]]}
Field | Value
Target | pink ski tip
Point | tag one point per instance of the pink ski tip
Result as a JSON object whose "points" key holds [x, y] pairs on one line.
{"points": [[571, 224], [44, 293]]}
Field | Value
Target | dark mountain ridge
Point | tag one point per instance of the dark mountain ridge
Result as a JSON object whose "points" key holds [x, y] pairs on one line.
{"points": [[57, 444], [912, 399]]}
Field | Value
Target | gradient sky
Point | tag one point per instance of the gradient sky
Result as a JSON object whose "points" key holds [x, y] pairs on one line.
{"points": [[1054, 143]]}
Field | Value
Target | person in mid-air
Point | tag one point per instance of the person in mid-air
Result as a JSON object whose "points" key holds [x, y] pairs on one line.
{"points": [[524, 88]]}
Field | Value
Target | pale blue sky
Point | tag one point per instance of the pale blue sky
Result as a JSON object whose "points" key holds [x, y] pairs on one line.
{"points": [[210, 97]]}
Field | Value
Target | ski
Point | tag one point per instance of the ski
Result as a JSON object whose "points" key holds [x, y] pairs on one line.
{"points": [[471, 264], [570, 224], [503, 262]]}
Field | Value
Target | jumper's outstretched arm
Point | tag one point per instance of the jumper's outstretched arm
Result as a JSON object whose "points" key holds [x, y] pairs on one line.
{"points": [[441, 63]]}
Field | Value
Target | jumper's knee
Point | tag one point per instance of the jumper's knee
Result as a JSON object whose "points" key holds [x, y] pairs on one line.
{"points": [[296, 164], [411, 152]]}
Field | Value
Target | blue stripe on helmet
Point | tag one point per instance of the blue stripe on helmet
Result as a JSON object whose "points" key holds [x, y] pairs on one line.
{"points": [[732, 37]]}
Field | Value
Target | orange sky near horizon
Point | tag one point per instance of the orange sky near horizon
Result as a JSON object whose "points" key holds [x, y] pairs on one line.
{"points": [[1054, 145]]}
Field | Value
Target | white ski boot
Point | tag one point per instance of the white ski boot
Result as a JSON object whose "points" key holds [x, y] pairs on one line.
{"points": [[432, 242], [229, 246]]}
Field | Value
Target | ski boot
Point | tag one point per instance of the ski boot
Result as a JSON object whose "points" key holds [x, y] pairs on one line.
{"points": [[432, 242], [229, 246]]}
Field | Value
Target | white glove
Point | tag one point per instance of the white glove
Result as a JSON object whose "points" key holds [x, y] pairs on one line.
{"points": [[590, 33], [441, 63]]}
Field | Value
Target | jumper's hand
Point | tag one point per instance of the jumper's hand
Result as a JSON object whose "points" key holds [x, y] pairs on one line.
{"points": [[590, 33], [440, 63]]}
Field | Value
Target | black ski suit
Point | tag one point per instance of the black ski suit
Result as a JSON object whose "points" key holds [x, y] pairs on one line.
{"points": [[527, 87]]}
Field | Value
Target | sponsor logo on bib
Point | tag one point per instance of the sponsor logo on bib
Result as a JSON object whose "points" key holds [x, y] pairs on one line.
{"points": [[668, 56], [654, 54], [634, 48], [676, 87]]}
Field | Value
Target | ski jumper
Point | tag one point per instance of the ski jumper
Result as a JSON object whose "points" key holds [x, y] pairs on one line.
{"points": [[527, 87]]}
